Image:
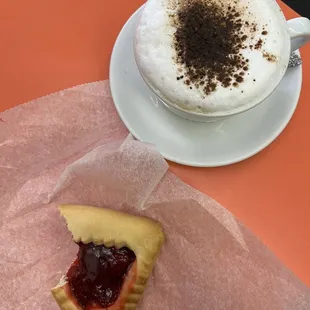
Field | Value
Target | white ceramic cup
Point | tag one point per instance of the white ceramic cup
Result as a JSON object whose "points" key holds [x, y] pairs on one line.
{"points": [[299, 34]]}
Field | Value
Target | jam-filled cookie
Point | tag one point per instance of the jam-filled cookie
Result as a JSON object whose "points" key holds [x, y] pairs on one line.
{"points": [[116, 255]]}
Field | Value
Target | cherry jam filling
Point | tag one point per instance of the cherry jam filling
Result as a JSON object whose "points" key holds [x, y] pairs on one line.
{"points": [[97, 275]]}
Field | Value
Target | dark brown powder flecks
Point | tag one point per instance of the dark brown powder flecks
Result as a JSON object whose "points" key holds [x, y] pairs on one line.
{"points": [[270, 57], [208, 43], [259, 44], [239, 79]]}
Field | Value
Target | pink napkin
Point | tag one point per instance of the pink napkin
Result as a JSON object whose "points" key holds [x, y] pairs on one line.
{"points": [[71, 147]]}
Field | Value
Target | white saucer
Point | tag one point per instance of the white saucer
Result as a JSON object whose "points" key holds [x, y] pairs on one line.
{"points": [[196, 144]]}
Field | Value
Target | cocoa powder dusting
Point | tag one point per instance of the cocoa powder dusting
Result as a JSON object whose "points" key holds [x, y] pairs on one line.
{"points": [[208, 42], [270, 57], [259, 44]]}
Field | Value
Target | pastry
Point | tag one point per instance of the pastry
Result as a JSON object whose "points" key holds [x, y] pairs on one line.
{"points": [[116, 255]]}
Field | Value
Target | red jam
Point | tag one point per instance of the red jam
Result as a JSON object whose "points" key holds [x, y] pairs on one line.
{"points": [[97, 276]]}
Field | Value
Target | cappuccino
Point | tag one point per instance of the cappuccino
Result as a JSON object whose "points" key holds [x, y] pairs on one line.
{"points": [[211, 56]]}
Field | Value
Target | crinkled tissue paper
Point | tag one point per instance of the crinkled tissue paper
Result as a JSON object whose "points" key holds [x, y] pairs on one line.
{"points": [[71, 147]]}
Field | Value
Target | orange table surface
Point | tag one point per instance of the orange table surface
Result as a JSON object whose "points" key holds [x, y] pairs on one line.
{"points": [[51, 45]]}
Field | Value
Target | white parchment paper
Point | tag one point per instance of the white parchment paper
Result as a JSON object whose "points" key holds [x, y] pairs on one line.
{"points": [[71, 147]]}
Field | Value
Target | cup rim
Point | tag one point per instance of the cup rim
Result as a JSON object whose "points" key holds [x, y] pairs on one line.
{"points": [[236, 110], [216, 114]]}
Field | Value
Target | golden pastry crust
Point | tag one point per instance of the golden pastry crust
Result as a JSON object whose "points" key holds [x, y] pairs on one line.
{"points": [[62, 298], [112, 228]]}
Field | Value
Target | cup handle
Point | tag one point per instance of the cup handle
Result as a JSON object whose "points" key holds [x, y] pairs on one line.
{"points": [[299, 30]]}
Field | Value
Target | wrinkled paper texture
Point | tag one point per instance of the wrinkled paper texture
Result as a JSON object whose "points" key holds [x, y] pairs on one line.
{"points": [[71, 147]]}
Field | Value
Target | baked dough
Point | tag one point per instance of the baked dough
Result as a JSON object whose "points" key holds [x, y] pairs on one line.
{"points": [[112, 228]]}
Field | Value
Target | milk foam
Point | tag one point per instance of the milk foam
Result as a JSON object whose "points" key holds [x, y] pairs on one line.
{"points": [[155, 57]]}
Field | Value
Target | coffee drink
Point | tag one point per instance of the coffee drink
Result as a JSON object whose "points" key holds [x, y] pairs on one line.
{"points": [[212, 56]]}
